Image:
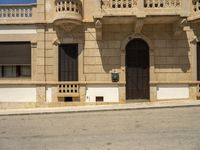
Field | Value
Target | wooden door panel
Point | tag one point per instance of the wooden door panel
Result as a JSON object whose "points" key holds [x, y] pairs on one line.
{"points": [[137, 70]]}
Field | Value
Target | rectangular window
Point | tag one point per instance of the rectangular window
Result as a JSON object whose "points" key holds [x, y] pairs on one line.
{"points": [[25, 71], [15, 59], [15, 71], [68, 62], [9, 71]]}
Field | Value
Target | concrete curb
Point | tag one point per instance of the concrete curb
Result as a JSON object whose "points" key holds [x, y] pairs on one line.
{"points": [[97, 108]]}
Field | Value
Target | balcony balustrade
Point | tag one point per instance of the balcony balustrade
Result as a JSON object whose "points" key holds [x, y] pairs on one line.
{"points": [[68, 89], [162, 3], [17, 14], [144, 7], [196, 6], [68, 12], [112, 4], [115, 4], [195, 14]]}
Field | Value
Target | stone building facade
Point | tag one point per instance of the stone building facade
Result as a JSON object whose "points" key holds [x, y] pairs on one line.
{"points": [[60, 52]]}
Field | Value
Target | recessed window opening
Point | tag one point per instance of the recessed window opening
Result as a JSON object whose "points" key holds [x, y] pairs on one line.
{"points": [[15, 59], [68, 99], [99, 98]]}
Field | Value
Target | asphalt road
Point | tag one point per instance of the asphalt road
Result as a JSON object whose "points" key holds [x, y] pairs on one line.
{"points": [[150, 129]]}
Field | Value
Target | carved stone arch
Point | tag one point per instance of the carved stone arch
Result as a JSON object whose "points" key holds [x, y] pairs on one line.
{"points": [[136, 36], [123, 61]]}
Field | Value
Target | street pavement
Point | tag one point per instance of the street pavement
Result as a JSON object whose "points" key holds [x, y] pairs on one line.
{"points": [[143, 129]]}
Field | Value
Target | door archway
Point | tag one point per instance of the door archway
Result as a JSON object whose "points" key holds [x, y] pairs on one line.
{"points": [[137, 70]]}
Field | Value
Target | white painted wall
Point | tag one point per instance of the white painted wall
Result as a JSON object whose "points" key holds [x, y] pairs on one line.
{"points": [[17, 93], [172, 91], [19, 29], [110, 93], [48, 94]]}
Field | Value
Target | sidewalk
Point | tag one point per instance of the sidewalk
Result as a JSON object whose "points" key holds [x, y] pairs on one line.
{"points": [[110, 107]]}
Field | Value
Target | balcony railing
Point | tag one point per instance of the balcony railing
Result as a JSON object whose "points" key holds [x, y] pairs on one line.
{"points": [[68, 11], [195, 14], [119, 3], [162, 3], [68, 89], [196, 6], [114, 4], [72, 6], [15, 12], [142, 8]]}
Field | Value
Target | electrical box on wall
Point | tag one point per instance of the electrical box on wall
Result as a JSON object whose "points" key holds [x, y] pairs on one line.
{"points": [[115, 76]]}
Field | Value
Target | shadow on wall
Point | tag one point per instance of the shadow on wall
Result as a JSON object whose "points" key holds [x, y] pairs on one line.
{"points": [[172, 55], [110, 45], [110, 55], [170, 51], [195, 28], [74, 36]]}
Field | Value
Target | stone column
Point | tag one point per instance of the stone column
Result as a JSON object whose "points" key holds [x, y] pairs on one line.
{"points": [[192, 41], [82, 93], [122, 93], [41, 96]]}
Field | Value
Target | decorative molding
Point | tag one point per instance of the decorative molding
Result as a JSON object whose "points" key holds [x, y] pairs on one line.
{"points": [[138, 25], [136, 36], [67, 39], [33, 44], [98, 26], [66, 27], [195, 40], [179, 26], [56, 42]]}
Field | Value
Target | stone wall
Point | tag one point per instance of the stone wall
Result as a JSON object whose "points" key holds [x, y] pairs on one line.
{"points": [[172, 57]]}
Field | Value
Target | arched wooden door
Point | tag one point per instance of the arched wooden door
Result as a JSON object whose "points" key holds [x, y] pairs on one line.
{"points": [[137, 70]]}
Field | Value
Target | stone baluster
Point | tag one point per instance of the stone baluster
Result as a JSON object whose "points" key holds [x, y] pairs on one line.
{"points": [[11, 12], [29, 12], [65, 5], [57, 7], [70, 6], [24, 12], [19, 12], [115, 3], [16, 12], [106, 3]]}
